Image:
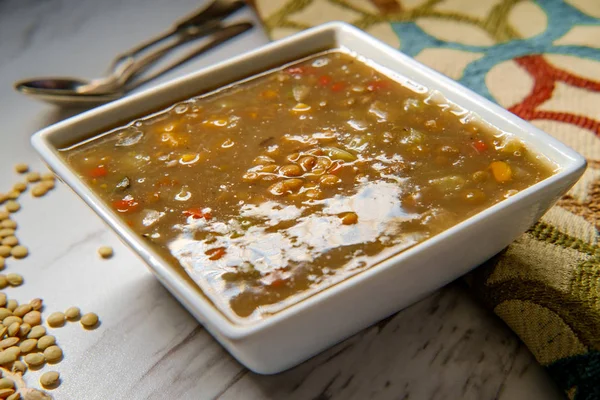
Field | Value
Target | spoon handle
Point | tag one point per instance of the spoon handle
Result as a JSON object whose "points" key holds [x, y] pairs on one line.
{"points": [[217, 38], [216, 11]]}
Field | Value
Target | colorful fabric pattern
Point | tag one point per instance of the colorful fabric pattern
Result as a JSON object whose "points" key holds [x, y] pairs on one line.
{"points": [[541, 60]]}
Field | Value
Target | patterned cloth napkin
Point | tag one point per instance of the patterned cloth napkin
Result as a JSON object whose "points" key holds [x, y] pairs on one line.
{"points": [[540, 60]]}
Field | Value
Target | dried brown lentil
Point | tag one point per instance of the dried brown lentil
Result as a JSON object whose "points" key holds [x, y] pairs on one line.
{"points": [[4, 393], [2, 263], [39, 190], [14, 350], [34, 359], [33, 318], [13, 328], [4, 215], [28, 345], [105, 251], [21, 310], [36, 304], [5, 313], [8, 224], [6, 232], [33, 177], [19, 252], [89, 320], [20, 186], [11, 320], [24, 329], [73, 313], [56, 319], [10, 241], [36, 332], [19, 366], [6, 383], [5, 251], [46, 341], [22, 168], [48, 176], [8, 342], [50, 379], [7, 357], [12, 305], [14, 279], [53, 354], [13, 195], [3, 299], [12, 206]]}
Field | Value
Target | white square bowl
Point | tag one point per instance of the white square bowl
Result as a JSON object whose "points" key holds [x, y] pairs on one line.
{"points": [[289, 337]]}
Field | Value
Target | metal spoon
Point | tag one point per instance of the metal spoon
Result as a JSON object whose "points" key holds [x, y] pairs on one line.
{"points": [[73, 91]]}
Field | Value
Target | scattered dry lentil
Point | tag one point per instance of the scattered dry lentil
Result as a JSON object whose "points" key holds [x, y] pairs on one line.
{"points": [[3, 299], [48, 176], [12, 305], [105, 252], [6, 232], [2, 263], [10, 241], [3, 281], [19, 252], [33, 318], [11, 320], [13, 328], [21, 310], [46, 341], [4, 313], [14, 396], [7, 357], [22, 168], [48, 184], [12, 206], [28, 345], [14, 279], [8, 224], [14, 350], [36, 332], [3, 215], [36, 304], [50, 379], [19, 366], [8, 342], [34, 359], [5, 251], [4, 393], [24, 329], [6, 383], [89, 320], [73, 313], [56, 319], [20, 186], [39, 190], [53, 354], [13, 195], [33, 177]]}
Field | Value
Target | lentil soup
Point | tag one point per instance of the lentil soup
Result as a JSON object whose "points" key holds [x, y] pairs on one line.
{"points": [[282, 185]]}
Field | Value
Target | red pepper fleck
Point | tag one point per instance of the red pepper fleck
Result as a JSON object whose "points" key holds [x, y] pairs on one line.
{"points": [[377, 85], [336, 87], [277, 283], [480, 146], [324, 80], [197, 213], [128, 204], [98, 172], [215, 253]]}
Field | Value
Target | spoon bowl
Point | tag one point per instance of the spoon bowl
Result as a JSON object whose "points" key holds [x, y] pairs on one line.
{"points": [[63, 92]]}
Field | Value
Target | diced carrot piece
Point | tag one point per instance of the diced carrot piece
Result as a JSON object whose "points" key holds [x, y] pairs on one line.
{"points": [[126, 205], [98, 172], [338, 86], [501, 171], [215, 253], [480, 146], [197, 213]]}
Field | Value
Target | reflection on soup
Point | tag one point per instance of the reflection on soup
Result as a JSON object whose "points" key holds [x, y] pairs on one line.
{"points": [[277, 187]]}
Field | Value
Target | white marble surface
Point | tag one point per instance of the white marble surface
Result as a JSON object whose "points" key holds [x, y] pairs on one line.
{"points": [[148, 346]]}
